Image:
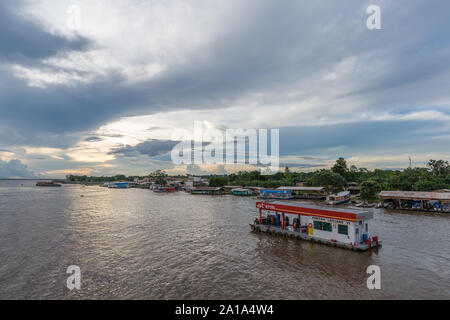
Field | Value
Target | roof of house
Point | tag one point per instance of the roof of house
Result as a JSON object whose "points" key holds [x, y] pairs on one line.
{"points": [[207, 188], [413, 195], [302, 188]]}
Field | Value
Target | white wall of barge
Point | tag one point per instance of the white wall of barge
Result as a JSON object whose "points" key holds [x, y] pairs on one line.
{"points": [[356, 230], [333, 235], [305, 236]]}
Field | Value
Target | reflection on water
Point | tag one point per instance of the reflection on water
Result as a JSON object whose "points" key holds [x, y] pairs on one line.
{"points": [[135, 244]]}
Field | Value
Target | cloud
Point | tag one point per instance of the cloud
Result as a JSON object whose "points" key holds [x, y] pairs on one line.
{"points": [[205, 169], [309, 65], [93, 139], [24, 41], [253, 62], [151, 148], [366, 138], [14, 169]]}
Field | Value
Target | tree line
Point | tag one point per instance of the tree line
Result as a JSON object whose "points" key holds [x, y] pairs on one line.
{"points": [[435, 176]]}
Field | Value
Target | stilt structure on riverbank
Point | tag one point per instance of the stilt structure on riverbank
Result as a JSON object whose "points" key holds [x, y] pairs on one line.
{"points": [[416, 201]]}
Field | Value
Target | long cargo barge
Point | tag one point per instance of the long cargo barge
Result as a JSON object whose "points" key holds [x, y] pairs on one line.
{"points": [[345, 228]]}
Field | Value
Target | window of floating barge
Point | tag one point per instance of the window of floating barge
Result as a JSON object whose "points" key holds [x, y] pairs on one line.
{"points": [[324, 226], [342, 229]]}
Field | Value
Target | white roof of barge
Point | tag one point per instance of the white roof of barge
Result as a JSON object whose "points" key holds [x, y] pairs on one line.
{"points": [[312, 206], [360, 213], [302, 188]]}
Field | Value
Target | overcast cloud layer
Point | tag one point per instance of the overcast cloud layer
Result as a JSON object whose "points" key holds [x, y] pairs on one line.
{"points": [[105, 98]]}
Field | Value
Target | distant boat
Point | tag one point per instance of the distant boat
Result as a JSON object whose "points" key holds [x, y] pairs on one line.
{"points": [[207, 190], [242, 192], [164, 190], [338, 198], [47, 184], [119, 185]]}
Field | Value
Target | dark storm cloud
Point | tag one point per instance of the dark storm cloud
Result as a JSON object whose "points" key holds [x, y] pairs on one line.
{"points": [[155, 128], [14, 169], [301, 165], [151, 148], [93, 139], [17, 136], [415, 136], [269, 49], [24, 41]]}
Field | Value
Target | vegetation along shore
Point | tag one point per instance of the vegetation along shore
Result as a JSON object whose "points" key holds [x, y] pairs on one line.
{"points": [[435, 176]]}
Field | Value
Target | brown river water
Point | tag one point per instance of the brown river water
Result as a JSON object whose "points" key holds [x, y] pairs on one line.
{"points": [[136, 244]]}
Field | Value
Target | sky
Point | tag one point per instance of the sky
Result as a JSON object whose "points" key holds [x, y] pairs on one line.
{"points": [[98, 87]]}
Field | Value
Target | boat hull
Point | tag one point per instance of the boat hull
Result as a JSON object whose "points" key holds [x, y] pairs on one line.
{"points": [[277, 231], [334, 203]]}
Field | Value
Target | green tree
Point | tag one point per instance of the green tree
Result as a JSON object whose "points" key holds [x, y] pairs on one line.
{"points": [[370, 189], [430, 185], [340, 167], [218, 181], [406, 179], [159, 177], [287, 174], [447, 179], [330, 180], [439, 167]]}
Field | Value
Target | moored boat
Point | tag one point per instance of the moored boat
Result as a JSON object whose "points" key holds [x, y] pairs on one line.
{"points": [[338, 198], [207, 191], [242, 192], [48, 184]]}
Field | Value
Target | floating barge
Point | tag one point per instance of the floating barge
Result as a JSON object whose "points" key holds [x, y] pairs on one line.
{"points": [[118, 185], [416, 201], [276, 194], [313, 193], [345, 228], [207, 191]]}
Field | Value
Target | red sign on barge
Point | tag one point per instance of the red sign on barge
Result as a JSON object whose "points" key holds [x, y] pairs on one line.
{"points": [[349, 228]]}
